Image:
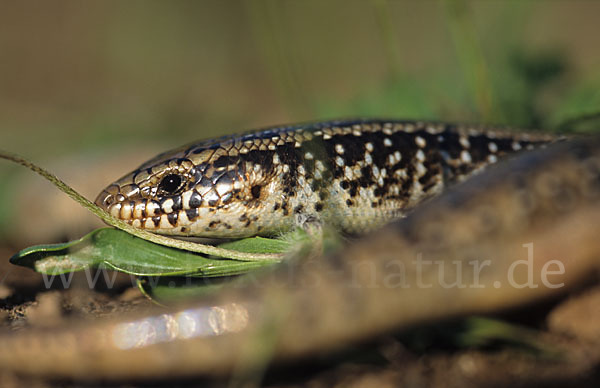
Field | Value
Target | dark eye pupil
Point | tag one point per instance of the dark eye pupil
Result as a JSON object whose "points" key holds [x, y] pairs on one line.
{"points": [[170, 183]]}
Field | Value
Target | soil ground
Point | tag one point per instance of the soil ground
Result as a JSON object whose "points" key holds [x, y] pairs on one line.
{"points": [[569, 325]]}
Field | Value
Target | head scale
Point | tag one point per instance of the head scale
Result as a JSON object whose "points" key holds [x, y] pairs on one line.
{"points": [[201, 191]]}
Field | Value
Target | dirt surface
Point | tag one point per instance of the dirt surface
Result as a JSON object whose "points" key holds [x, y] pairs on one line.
{"points": [[568, 325]]}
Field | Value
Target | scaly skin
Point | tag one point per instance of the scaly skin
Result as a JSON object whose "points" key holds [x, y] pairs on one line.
{"points": [[352, 175], [382, 282]]}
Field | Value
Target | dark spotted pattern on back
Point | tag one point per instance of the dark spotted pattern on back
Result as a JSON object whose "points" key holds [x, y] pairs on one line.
{"points": [[353, 175]]}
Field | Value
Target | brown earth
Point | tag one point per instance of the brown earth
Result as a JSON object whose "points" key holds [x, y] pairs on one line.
{"points": [[569, 325]]}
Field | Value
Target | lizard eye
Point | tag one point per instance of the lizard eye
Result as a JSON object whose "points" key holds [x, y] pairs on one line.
{"points": [[170, 184]]}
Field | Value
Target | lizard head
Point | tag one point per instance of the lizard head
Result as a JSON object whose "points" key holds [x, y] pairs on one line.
{"points": [[203, 191]]}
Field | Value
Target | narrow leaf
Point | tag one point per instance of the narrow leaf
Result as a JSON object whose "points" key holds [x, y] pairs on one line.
{"points": [[118, 250]]}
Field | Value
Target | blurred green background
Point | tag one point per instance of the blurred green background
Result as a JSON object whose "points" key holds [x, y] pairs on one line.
{"points": [[91, 88]]}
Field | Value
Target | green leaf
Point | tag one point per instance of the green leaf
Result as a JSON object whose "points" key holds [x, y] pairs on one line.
{"points": [[480, 332], [257, 245], [175, 289], [579, 111], [118, 250]]}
